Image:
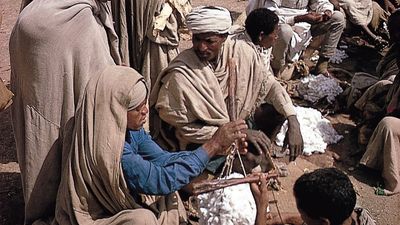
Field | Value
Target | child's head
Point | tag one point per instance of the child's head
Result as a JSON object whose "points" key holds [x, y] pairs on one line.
{"points": [[325, 195], [262, 26], [394, 26]]}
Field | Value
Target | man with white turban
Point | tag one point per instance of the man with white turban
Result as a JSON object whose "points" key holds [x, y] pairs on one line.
{"points": [[191, 94]]}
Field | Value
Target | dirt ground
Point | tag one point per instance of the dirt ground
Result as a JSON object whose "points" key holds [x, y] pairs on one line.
{"points": [[385, 210]]}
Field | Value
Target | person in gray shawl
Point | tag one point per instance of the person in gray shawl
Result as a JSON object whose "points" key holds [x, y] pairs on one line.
{"points": [[55, 48]]}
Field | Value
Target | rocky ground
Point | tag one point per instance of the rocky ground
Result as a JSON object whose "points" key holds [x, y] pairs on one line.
{"points": [[384, 209]]}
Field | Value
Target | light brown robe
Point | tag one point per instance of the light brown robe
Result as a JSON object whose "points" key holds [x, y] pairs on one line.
{"points": [[364, 13], [191, 96], [5, 96], [383, 152], [359, 12], [93, 189], [55, 48], [141, 47]]}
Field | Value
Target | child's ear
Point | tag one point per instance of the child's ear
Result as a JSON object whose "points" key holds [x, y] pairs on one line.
{"points": [[325, 221], [260, 36]]}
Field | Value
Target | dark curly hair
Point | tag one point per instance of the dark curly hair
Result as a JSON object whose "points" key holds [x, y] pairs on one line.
{"points": [[391, 20], [325, 193], [394, 27], [260, 20]]}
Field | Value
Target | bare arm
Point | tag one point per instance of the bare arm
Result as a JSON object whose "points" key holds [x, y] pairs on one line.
{"points": [[294, 139], [278, 97]]}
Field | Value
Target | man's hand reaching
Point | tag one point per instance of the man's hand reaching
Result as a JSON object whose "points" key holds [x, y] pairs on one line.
{"points": [[260, 141], [293, 138], [327, 15]]}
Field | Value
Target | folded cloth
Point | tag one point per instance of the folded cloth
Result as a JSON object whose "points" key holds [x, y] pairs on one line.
{"points": [[5, 96]]}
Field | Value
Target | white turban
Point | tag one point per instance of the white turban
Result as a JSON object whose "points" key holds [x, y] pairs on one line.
{"points": [[138, 93], [206, 19]]}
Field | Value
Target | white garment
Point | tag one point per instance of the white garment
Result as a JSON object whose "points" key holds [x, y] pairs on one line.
{"points": [[302, 33]]}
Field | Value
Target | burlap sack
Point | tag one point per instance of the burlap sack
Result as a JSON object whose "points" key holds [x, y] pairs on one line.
{"points": [[5, 96]]}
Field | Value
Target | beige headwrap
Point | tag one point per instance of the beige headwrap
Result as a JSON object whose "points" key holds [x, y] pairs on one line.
{"points": [[140, 95], [204, 19]]}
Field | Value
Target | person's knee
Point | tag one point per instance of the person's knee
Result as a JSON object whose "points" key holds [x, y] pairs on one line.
{"points": [[390, 124], [143, 216], [338, 18], [285, 33]]}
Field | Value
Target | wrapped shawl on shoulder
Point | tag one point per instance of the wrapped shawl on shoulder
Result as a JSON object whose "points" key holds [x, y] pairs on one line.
{"points": [[190, 95], [93, 189]]}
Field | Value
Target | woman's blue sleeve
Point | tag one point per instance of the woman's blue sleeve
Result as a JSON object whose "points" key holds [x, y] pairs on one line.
{"points": [[149, 169]]}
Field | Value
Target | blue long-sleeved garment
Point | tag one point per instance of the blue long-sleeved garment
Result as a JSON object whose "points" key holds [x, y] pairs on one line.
{"points": [[150, 170]]}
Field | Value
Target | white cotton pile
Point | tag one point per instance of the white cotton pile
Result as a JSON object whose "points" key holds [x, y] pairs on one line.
{"points": [[317, 131], [339, 56], [229, 206], [313, 88]]}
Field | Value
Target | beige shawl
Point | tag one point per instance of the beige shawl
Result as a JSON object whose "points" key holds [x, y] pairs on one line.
{"points": [[5, 96], [383, 153], [142, 47], [55, 47], [359, 12], [93, 189], [191, 96]]}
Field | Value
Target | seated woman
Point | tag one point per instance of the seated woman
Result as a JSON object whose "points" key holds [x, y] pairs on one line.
{"points": [[113, 162]]}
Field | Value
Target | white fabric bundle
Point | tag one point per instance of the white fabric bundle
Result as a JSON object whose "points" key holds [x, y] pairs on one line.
{"points": [[317, 131], [313, 88], [229, 206]]}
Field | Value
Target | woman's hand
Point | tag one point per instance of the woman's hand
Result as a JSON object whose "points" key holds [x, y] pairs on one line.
{"points": [[225, 136], [260, 141]]}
